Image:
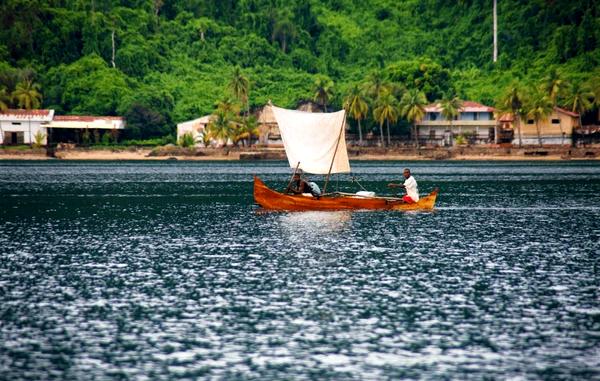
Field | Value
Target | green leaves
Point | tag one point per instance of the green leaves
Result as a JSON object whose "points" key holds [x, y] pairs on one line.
{"points": [[175, 58]]}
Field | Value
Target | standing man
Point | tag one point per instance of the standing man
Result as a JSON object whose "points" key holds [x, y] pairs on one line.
{"points": [[410, 185]]}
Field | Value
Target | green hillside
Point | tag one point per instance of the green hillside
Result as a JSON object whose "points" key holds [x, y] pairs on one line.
{"points": [[174, 59]]}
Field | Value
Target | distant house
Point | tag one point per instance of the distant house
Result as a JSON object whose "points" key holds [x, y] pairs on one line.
{"points": [[556, 130], [21, 126], [268, 129], [71, 128], [308, 106], [475, 122], [196, 127]]}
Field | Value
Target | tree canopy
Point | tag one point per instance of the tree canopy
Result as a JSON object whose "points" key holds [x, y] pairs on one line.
{"points": [[162, 62]]}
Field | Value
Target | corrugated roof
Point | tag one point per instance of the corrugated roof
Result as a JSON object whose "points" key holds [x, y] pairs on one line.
{"points": [[23, 114], [468, 106], [84, 118]]}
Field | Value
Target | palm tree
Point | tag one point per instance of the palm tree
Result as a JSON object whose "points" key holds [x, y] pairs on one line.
{"points": [[376, 85], [450, 106], [240, 86], [283, 28], [246, 130], [412, 107], [27, 95], [4, 100], [579, 98], [512, 101], [221, 127], [596, 90], [385, 110], [356, 105], [554, 86], [323, 90], [229, 107], [539, 108]]}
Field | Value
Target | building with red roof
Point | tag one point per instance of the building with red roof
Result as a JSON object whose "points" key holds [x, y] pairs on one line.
{"points": [[480, 124], [557, 129], [24, 126], [475, 124], [35, 126]]}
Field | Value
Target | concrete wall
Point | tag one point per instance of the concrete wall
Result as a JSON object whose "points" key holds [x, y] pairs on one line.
{"points": [[28, 128], [550, 131]]}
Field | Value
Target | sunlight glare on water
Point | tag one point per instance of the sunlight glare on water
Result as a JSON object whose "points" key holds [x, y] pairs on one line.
{"points": [[169, 271]]}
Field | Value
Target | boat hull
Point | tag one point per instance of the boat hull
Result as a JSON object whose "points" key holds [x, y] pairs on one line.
{"points": [[272, 200]]}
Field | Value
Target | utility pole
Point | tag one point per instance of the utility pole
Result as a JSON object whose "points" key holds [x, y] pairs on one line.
{"points": [[495, 31], [113, 48]]}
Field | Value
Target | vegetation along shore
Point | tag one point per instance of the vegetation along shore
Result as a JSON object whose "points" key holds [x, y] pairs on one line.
{"points": [[425, 73]]}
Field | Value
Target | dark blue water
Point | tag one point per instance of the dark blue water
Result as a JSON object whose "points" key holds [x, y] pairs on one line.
{"points": [[164, 271]]}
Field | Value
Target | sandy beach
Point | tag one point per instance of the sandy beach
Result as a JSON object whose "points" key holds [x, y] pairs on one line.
{"points": [[362, 154]]}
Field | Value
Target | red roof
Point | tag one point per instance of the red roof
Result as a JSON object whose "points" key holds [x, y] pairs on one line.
{"points": [[84, 118], [21, 113], [470, 106], [570, 113]]}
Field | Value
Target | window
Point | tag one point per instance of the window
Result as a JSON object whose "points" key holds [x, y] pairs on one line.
{"points": [[475, 115], [555, 121], [530, 121], [433, 116], [432, 134], [16, 123]]}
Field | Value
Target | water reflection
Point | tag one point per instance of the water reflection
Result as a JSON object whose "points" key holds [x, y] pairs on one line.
{"points": [[164, 271], [315, 222]]}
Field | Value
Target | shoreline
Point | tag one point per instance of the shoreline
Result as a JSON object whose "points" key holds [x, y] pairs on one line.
{"points": [[354, 154]]}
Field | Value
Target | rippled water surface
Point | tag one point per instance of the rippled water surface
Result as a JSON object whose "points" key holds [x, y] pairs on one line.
{"points": [[168, 271]]}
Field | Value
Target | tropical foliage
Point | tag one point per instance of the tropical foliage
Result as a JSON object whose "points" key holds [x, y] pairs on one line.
{"points": [[187, 140], [162, 62]]}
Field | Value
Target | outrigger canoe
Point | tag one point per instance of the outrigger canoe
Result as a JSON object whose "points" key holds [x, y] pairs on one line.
{"points": [[273, 200]]}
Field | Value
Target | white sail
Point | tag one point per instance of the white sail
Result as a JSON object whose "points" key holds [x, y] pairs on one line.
{"points": [[314, 140]]}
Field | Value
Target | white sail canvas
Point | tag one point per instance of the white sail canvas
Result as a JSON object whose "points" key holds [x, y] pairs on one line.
{"points": [[311, 140]]}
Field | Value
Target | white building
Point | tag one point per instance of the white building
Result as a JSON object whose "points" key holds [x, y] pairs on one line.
{"points": [[22, 126], [474, 120], [196, 127]]}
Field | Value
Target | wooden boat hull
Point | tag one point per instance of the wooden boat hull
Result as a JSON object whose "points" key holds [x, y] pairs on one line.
{"points": [[272, 200]]}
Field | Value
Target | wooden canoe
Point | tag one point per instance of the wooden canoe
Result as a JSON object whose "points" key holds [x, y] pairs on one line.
{"points": [[272, 200]]}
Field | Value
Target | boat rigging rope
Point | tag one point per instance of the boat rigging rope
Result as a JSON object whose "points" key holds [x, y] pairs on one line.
{"points": [[354, 180]]}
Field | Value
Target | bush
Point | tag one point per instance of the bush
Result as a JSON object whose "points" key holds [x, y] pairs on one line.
{"points": [[105, 139], [187, 140], [38, 139], [169, 139], [460, 140]]}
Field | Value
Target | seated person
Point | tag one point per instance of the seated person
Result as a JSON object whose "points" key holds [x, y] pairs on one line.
{"points": [[300, 186], [410, 185]]}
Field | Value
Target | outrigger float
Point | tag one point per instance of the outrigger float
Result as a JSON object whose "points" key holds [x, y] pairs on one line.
{"points": [[315, 143]]}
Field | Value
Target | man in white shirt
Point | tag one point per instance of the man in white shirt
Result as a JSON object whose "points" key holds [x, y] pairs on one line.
{"points": [[410, 185]]}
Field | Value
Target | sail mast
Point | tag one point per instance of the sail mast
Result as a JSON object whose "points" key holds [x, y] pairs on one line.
{"points": [[334, 153]]}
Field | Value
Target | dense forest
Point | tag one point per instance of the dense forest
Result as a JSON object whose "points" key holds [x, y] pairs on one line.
{"points": [[160, 62]]}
